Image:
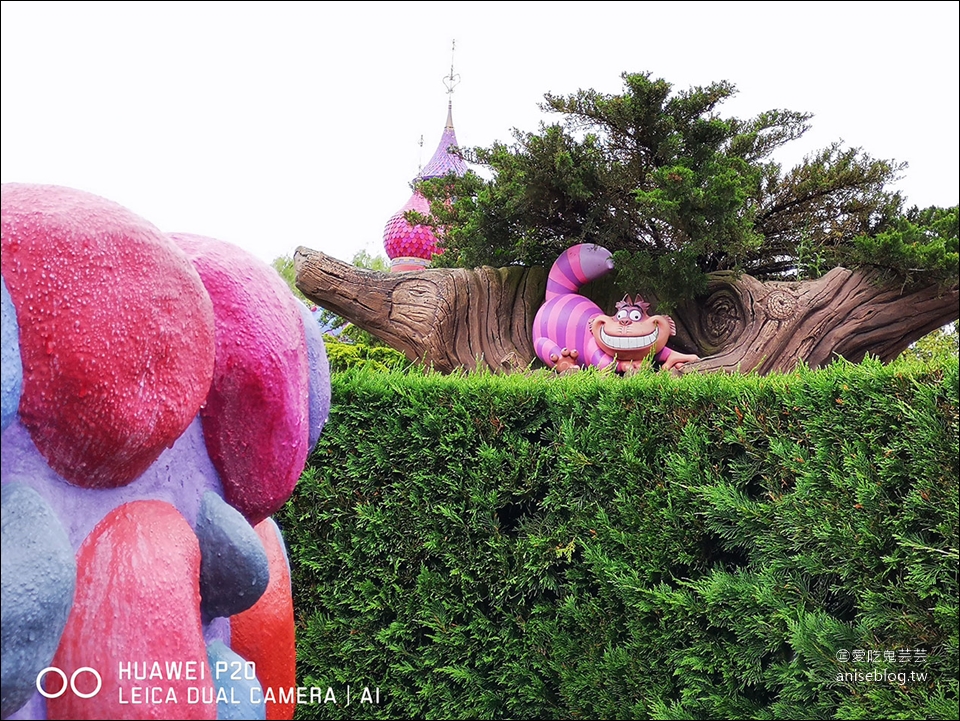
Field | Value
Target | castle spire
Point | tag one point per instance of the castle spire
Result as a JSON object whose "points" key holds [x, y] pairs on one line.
{"points": [[443, 161], [412, 247], [452, 80]]}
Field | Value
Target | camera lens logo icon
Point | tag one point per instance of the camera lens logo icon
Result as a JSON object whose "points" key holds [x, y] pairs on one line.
{"points": [[72, 684]]}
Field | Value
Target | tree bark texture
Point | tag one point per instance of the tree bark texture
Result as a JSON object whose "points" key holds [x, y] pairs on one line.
{"points": [[452, 317], [752, 326], [447, 317]]}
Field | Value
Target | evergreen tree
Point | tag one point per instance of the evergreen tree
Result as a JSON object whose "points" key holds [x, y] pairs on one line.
{"points": [[760, 266], [680, 192]]}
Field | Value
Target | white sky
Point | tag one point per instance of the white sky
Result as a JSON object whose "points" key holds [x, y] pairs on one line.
{"points": [[272, 125]]}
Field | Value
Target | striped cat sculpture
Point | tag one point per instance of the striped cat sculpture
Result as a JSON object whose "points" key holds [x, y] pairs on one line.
{"points": [[570, 331]]}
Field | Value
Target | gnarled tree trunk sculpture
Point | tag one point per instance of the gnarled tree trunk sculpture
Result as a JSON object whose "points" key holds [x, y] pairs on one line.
{"points": [[451, 317], [746, 324]]}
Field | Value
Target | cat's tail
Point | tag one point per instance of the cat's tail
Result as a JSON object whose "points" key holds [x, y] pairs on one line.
{"points": [[576, 267]]}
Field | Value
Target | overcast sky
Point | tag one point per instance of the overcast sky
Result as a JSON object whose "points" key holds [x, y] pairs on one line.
{"points": [[272, 125]]}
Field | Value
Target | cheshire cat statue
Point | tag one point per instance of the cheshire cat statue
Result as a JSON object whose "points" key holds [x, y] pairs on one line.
{"points": [[160, 396], [570, 330]]}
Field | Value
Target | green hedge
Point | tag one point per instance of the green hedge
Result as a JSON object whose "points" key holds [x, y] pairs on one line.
{"points": [[343, 356], [531, 546]]}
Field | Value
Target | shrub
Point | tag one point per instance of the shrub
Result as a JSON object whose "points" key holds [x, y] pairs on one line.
{"points": [[343, 356], [531, 546]]}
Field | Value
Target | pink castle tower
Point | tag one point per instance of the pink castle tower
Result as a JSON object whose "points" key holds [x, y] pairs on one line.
{"points": [[412, 247]]}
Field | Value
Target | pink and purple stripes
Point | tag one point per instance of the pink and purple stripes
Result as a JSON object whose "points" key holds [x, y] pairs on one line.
{"points": [[576, 267], [563, 321]]}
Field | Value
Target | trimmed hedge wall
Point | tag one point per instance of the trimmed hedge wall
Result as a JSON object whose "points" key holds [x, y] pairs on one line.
{"points": [[531, 546]]}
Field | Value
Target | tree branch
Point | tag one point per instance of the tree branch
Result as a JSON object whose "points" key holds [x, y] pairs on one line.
{"points": [[449, 317], [452, 317]]}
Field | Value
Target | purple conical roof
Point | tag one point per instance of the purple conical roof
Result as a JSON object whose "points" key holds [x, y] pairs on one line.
{"points": [[443, 161]]}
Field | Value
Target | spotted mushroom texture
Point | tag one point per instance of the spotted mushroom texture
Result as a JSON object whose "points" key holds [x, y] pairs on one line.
{"points": [[256, 417], [160, 394], [116, 332]]}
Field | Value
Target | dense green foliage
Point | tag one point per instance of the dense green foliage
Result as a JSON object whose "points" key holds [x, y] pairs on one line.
{"points": [[921, 245], [345, 355], [937, 347], [678, 191], [532, 546]]}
